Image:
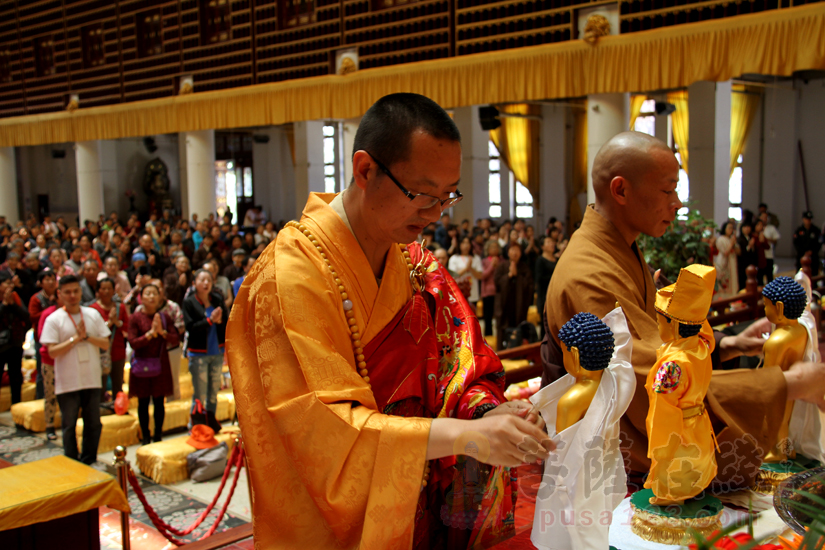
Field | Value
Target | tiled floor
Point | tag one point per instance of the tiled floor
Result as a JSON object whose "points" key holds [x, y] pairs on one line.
{"points": [[178, 504]]}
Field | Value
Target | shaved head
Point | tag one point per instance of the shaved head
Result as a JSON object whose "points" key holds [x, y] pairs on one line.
{"points": [[634, 180], [628, 155]]}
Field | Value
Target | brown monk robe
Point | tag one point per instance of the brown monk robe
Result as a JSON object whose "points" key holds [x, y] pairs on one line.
{"points": [[602, 266]]}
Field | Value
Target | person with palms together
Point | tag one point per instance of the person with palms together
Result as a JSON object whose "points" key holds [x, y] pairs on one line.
{"points": [[150, 332]]}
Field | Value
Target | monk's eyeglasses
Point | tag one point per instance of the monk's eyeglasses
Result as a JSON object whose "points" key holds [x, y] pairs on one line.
{"points": [[420, 201]]}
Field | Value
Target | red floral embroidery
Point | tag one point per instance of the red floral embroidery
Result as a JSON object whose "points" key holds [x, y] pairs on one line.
{"points": [[667, 377]]}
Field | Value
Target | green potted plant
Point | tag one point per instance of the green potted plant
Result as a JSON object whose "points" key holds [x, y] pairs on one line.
{"points": [[686, 242]]}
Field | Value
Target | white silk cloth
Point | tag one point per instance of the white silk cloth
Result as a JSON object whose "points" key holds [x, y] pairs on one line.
{"points": [[806, 429], [584, 479]]}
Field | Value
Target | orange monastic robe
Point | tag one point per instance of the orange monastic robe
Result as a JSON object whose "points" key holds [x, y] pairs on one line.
{"points": [[681, 448], [301, 402]]}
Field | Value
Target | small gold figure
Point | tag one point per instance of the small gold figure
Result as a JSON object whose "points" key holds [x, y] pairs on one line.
{"points": [[588, 347], [785, 301]]}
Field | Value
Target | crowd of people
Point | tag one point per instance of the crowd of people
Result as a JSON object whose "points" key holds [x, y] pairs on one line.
{"points": [[506, 267], [752, 241], [164, 287], [159, 288]]}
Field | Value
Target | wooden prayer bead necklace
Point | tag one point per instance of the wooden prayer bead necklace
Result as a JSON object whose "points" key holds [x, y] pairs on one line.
{"points": [[355, 331]]}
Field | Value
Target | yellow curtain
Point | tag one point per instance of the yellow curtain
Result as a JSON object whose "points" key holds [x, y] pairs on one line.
{"points": [[775, 42], [579, 187], [744, 102], [636, 108], [681, 126], [517, 141]]}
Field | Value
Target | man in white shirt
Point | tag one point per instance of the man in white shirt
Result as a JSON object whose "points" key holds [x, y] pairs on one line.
{"points": [[75, 336]]}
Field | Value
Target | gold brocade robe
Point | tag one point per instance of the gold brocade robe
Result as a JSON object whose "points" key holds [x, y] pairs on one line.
{"points": [[327, 469], [681, 446], [597, 270]]}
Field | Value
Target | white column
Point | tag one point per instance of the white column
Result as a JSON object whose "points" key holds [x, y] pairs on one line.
{"points": [[89, 180], [709, 104], [264, 164], [8, 186], [752, 164], [555, 168], [663, 129], [109, 175], [508, 209], [309, 161], [197, 169], [780, 162], [607, 115], [475, 167], [350, 128]]}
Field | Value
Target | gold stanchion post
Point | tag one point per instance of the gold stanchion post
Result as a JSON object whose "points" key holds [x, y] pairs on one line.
{"points": [[121, 465]]}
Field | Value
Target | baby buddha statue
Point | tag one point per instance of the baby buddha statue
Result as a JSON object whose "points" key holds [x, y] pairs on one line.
{"points": [[800, 441], [681, 439], [785, 301], [587, 349], [582, 410]]}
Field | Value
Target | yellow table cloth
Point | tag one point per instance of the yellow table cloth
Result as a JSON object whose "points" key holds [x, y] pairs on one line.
{"points": [[53, 488]]}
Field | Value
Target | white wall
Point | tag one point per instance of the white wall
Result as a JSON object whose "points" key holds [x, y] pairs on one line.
{"points": [[779, 161], [309, 161], [556, 175], [810, 119], [475, 167], [9, 206], [607, 115], [350, 128], [273, 176], [789, 112], [709, 146], [39, 173]]}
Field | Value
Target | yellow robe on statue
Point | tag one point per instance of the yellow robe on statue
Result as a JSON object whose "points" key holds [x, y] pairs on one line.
{"points": [[597, 270], [328, 470], [681, 446]]}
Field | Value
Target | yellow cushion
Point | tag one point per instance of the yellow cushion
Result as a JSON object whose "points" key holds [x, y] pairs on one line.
{"points": [[117, 430], [165, 462], [226, 406], [27, 392], [30, 415], [176, 415], [187, 390]]}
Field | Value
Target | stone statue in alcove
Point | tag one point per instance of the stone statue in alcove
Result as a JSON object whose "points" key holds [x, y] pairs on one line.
{"points": [[156, 186]]}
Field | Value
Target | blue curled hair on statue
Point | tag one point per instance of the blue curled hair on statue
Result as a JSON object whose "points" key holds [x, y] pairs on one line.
{"points": [[591, 337], [790, 293], [686, 331]]}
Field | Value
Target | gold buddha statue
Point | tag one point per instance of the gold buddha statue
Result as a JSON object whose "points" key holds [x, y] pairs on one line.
{"points": [[785, 301], [587, 349]]}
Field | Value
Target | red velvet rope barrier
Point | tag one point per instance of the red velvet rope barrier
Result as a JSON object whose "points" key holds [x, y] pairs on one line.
{"points": [[235, 459]]}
